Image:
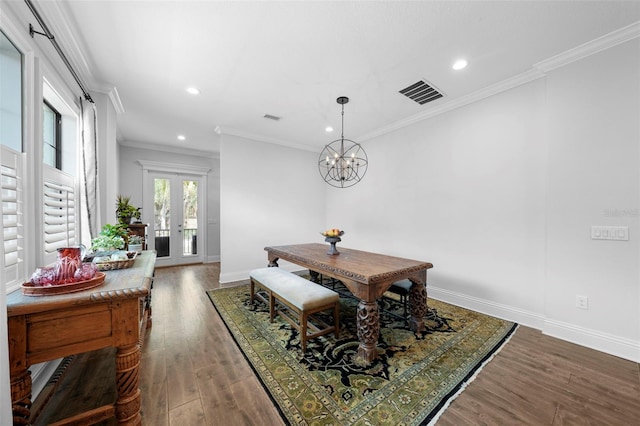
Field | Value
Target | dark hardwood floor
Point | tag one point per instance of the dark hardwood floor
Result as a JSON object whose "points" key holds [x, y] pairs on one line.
{"points": [[193, 373]]}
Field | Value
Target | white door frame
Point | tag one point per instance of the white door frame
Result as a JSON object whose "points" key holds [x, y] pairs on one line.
{"points": [[180, 170]]}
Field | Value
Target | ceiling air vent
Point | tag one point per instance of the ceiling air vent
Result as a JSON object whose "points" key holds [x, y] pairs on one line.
{"points": [[421, 92], [271, 117]]}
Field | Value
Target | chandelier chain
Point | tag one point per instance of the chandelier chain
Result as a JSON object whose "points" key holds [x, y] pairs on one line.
{"points": [[342, 132]]}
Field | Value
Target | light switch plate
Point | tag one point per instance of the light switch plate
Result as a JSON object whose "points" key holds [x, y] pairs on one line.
{"points": [[617, 233]]}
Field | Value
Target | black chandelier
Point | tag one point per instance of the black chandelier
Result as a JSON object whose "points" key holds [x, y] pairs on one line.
{"points": [[343, 162]]}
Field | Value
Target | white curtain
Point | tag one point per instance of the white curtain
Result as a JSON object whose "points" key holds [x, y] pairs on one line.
{"points": [[89, 133]]}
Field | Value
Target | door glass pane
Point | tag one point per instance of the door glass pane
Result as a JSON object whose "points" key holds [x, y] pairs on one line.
{"points": [[190, 217], [162, 216]]}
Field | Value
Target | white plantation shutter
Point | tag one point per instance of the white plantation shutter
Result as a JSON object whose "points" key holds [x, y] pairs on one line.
{"points": [[60, 218], [12, 216]]}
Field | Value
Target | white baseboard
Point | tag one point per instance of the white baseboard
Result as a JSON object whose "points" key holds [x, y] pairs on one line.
{"points": [[603, 342], [212, 259], [229, 277], [41, 374], [510, 313]]}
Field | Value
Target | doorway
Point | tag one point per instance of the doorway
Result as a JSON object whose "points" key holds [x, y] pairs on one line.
{"points": [[176, 225]]}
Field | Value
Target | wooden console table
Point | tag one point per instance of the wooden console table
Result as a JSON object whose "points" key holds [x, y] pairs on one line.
{"points": [[115, 314], [367, 276]]}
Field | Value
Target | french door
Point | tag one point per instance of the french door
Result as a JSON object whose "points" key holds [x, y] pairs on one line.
{"points": [[175, 226]]}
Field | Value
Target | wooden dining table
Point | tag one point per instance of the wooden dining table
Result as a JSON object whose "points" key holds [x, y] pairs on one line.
{"points": [[367, 276]]}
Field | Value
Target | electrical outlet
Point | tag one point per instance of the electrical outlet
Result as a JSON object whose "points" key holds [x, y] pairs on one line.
{"points": [[582, 302]]}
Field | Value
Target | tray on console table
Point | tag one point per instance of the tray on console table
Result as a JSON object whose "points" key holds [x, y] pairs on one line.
{"points": [[30, 289]]}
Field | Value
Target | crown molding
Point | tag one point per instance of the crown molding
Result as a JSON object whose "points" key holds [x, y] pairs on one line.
{"points": [[599, 44], [538, 70], [114, 97], [55, 14], [174, 168], [476, 96], [260, 138], [171, 149]]}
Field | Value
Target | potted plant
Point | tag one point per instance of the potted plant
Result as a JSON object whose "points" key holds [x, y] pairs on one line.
{"points": [[125, 211], [111, 237], [135, 243]]}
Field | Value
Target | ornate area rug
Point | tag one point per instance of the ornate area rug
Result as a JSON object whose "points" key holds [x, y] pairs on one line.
{"points": [[414, 377]]}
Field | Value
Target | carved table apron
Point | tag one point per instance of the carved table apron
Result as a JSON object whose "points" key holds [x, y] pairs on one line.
{"points": [[367, 276], [115, 314]]}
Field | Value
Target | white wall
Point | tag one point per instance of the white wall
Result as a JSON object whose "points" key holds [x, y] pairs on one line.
{"points": [[108, 168], [594, 138], [500, 196], [269, 195], [466, 192], [131, 185]]}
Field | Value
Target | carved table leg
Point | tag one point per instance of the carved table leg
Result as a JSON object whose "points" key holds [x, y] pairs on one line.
{"points": [[368, 318], [273, 262], [418, 302], [127, 377], [21, 397]]}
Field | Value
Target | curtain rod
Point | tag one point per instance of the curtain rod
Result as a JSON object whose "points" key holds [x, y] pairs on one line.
{"points": [[48, 35]]}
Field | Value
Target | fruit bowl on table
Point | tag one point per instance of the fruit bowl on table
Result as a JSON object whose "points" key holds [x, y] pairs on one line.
{"points": [[328, 235], [332, 236]]}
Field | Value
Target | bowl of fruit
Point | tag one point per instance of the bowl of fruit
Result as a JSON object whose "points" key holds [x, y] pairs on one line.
{"points": [[332, 236]]}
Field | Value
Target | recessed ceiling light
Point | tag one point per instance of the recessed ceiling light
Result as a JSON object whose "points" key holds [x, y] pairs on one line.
{"points": [[193, 90], [459, 64], [329, 129], [181, 137]]}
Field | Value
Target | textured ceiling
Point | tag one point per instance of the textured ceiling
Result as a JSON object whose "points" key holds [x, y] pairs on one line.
{"points": [[293, 59]]}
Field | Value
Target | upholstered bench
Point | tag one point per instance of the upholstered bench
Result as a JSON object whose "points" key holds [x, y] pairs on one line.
{"points": [[301, 298]]}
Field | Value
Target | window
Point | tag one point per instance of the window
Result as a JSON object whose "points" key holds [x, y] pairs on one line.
{"points": [[11, 166], [59, 212], [11, 99], [51, 135], [12, 217], [60, 218]]}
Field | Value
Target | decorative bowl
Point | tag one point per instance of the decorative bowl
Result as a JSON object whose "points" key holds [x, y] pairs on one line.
{"points": [[106, 263], [332, 239], [325, 234]]}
